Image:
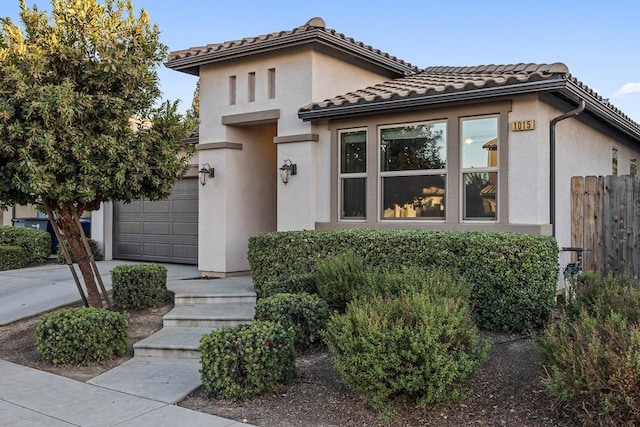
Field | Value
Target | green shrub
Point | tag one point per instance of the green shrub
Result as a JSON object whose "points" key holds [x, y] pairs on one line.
{"points": [[288, 284], [409, 280], [602, 295], [139, 285], [12, 257], [35, 243], [414, 348], [339, 278], [246, 360], [512, 276], [81, 335], [305, 314], [594, 367], [95, 250]]}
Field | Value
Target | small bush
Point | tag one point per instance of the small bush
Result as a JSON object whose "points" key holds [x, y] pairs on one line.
{"points": [[81, 335], [339, 278], [602, 295], [12, 257], [35, 243], [306, 315], [288, 284], [246, 360], [409, 280], [95, 250], [594, 367], [412, 348], [139, 285]]}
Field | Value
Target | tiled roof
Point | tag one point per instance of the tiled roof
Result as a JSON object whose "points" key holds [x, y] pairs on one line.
{"points": [[189, 60], [444, 80], [438, 85]]}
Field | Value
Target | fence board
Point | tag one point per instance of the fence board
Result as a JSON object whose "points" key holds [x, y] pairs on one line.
{"points": [[605, 218]]}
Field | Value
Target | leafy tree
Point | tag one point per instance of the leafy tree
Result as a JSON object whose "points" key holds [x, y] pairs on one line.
{"points": [[79, 122]]}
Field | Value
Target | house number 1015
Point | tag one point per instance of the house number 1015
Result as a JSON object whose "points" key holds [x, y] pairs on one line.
{"points": [[523, 125]]}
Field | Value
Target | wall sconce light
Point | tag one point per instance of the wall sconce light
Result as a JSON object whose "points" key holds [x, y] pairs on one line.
{"points": [[288, 169], [206, 170]]}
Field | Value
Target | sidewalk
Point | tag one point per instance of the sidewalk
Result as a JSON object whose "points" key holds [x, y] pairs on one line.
{"points": [[29, 397]]}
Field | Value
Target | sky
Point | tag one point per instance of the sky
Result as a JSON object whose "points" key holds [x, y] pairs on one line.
{"points": [[598, 40]]}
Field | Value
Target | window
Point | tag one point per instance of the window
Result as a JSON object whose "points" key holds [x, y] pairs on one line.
{"points": [[413, 170], [633, 166], [353, 174], [252, 86], [232, 90], [479, 149], [271, 83], [614, 161]]}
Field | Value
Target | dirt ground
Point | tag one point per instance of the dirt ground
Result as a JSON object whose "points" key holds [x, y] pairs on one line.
{"points": [[507, 390]]}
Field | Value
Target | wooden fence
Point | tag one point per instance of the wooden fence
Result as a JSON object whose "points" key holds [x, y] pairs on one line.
{"points": [[605, 218]]}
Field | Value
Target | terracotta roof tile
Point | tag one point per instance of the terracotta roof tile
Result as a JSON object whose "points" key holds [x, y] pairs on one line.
{"points": [[315, 27]]}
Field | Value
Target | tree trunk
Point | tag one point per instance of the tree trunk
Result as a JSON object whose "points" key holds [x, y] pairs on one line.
{"points": [[71, 232]]}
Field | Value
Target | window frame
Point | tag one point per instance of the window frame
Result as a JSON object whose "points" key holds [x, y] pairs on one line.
{"points": [[408, 173], [352, 175], [488, 169]]}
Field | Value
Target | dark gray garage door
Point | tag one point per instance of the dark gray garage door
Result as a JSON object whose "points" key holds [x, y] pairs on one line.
{"points": [[163, 231]]}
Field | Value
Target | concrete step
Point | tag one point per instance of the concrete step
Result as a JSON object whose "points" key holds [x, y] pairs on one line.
{"points": [[155, 378], [221, 315], [208, 291], [183, 343]]}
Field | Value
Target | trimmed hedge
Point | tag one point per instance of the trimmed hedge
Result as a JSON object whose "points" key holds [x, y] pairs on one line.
{"points": [[305, 314], [246, 360], [81, 335], [35, 243], [289, 284], [139, 285], [95, 250], [513, 276], [12, 257]]}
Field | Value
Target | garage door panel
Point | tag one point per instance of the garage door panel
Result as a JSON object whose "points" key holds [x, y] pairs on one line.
{"points": [[133, 207], [161, 231], [183, 206], [155, 228], [129, 227], [162, 207], [186, 229]]}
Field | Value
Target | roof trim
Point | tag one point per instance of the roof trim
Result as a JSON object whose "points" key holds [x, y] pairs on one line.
{"points": [[345, 110], [189, 60]]}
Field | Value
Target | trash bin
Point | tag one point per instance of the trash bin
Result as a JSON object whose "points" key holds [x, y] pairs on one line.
{"points": [[43, 224]]}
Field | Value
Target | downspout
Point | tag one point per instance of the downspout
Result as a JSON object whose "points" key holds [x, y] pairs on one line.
{"points": [[552, 161]]}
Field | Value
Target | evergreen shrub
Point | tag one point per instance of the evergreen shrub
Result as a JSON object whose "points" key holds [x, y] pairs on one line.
{"points": [[246, 360], [306, 315], [12, 257], [35, 243], [81, 335], [139, 285], [413, 348]]}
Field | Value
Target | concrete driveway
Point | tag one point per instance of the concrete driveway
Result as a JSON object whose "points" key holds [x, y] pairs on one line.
{"points": [[30, 291]]}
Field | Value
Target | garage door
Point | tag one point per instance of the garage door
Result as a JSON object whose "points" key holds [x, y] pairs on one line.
{"points": [[162, 231]]}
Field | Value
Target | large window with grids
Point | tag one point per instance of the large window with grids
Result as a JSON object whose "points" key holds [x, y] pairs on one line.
{"points": [[479, 144], [413, 170], [353, 174]]}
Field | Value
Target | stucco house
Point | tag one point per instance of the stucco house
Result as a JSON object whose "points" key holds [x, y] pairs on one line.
{"points": [[376, 142]]}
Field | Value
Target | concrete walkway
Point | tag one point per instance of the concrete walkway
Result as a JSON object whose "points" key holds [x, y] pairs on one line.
{"points": [[140, 392], [29, 397]]}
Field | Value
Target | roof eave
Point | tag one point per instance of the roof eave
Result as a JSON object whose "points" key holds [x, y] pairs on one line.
{"points": [[595, 107], [191, 64], [422, 101]]}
